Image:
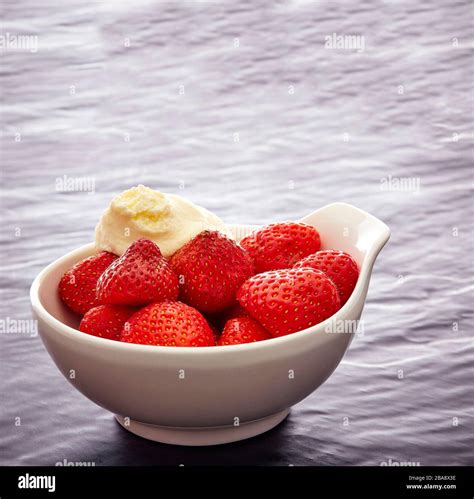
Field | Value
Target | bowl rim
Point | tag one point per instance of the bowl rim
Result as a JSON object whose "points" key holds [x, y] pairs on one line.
{"points": [[56, 324]]}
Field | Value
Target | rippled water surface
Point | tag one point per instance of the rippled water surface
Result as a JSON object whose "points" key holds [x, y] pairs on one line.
{"points": [[244, 110]]}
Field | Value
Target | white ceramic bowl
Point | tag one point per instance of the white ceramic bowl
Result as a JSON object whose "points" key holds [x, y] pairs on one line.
{"points": [[208, 395]]}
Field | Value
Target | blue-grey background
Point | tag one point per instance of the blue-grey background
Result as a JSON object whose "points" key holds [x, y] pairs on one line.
{"points": [[242, 108]]}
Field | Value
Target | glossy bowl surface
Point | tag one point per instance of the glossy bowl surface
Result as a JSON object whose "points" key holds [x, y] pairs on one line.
{"points": [[209, 395]]}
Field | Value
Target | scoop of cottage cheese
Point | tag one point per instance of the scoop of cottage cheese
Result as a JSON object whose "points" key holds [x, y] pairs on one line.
{"points": [[168, 220]]}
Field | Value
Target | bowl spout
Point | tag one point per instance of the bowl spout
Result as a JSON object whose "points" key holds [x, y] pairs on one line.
{"points": [[347, 228]]}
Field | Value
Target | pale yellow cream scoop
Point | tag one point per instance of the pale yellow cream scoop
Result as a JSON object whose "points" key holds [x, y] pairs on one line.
{"points": [[168, 220]]}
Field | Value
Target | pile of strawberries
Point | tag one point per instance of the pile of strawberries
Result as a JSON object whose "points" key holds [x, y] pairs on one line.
{"points": [[212, 291]]}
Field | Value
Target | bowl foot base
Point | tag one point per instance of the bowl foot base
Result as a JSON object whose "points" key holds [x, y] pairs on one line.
{"points": [[212, 435]]}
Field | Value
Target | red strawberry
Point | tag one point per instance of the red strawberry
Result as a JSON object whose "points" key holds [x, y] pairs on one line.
{"points": [[220, 319], [242, 330], [233, 313], [216, 331], [139, 277], [106, 321], [338, 266], [289, 300], [281, 245], [211, 268], [168, 324], [77, 287]]}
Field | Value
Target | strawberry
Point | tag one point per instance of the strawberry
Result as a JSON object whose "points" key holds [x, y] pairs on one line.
{"points": [[211, 268], [77, 287], [289, 300], [242, 330], [233, 313], [338, 266], [281, 245], [168, 324], [216, 331], [139, 277], [220, 318], [106, 321], [215, 323]]}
